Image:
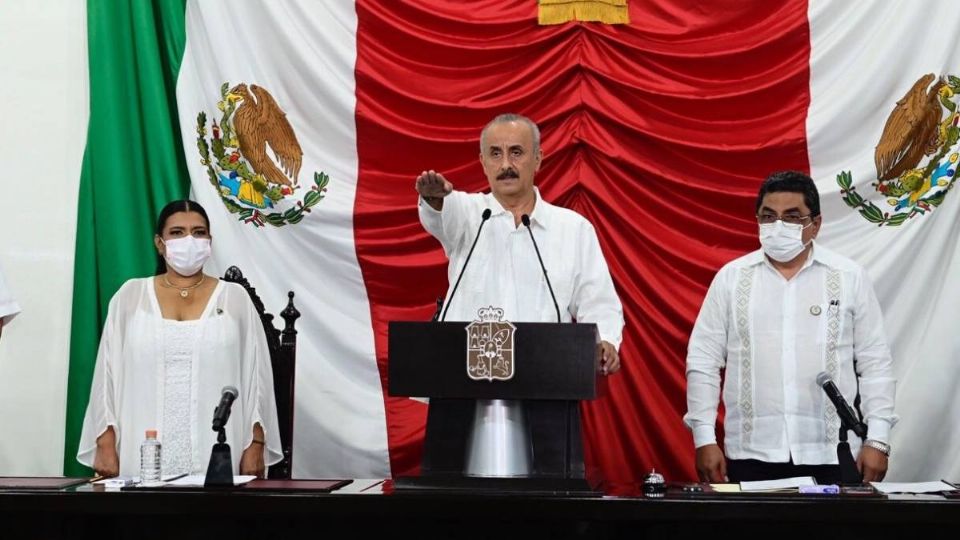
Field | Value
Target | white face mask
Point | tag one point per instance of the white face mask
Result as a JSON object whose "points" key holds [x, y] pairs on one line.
{"points": [[187, 255], [781, 241]]}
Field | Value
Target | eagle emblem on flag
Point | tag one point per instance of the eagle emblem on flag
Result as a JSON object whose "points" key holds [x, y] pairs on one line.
{"points": [[260, 188], [490, 346], [916, 158]]}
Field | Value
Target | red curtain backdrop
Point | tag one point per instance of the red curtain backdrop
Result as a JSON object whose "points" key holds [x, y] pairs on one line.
{"points": [[658, 132]]}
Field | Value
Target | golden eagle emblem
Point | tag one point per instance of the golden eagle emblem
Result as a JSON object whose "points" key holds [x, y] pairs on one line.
{"points": [[923, 124], [911, 130], [261, 188], [259, 122]]}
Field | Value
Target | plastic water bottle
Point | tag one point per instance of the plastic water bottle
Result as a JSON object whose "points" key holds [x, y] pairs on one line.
{"points": [[150, 459]]}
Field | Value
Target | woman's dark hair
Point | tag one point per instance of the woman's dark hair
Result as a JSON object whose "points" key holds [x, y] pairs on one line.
{"points": [[170, 209], [793, 182]]}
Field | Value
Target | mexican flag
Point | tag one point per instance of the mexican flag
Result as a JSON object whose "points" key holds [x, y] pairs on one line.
{"points": [[300, 126]]}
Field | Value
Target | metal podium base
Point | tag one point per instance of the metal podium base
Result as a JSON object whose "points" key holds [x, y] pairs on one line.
{"points": [[499, 442]]}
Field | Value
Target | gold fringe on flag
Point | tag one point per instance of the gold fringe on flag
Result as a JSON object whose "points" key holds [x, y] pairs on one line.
{"points": [[562, 11]]}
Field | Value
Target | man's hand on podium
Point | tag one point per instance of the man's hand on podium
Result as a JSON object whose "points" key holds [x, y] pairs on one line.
{"points": [[872, 464], [609, 359], [711, 464], [433, 187]]}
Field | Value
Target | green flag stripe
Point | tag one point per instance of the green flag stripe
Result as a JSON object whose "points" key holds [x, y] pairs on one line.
{"points": [[133, 165]]}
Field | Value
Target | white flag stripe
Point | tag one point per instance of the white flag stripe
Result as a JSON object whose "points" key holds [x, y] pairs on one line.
{"points": [[303, 54], [866, 56]]}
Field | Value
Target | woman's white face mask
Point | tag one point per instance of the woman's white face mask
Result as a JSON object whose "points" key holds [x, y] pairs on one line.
{"points": [[186, 255], [781, 241]]}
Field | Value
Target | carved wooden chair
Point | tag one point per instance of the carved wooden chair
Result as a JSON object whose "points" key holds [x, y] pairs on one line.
{"points": [[283, 356]]}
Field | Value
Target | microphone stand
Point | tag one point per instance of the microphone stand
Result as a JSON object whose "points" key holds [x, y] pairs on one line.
{"points": [[483, 219], [220, 469], [849, 474], [525, 219]]}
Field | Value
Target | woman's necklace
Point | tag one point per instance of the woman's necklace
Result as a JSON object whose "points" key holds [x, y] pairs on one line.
{"points": [[184, 291]]}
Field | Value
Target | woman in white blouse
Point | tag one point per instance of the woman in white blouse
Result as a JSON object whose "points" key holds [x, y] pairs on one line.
{"points": [[170, 343]]}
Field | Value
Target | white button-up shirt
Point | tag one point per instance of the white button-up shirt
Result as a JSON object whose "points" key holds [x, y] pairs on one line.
{"points": [[774, 336], [504, 271]]}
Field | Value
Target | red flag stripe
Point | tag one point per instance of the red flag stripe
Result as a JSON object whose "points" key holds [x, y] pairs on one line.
{"points": [[658, 132]]}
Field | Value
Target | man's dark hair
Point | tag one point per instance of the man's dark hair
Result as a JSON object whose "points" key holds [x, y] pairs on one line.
{"points": [[793, 182]]}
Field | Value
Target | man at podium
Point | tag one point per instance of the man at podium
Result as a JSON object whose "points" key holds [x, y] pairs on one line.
{"points": [[511, 229]]}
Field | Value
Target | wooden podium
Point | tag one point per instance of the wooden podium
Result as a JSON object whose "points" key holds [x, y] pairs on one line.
{"points": [[555, 367]]}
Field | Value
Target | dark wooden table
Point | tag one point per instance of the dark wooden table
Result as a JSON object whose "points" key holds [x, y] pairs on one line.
{"points": [[88, 512]]}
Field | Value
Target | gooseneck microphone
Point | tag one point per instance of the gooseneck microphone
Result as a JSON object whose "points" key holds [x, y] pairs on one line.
{"points": [[526, 223], [222, 413], [483, 219], [844, 410]]}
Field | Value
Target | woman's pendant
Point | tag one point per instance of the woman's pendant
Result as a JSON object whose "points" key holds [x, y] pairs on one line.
{"points": [[184, 293]]}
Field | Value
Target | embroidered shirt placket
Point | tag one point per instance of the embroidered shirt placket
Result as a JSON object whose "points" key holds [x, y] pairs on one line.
{"points": [[742, 306], [833, 289]]}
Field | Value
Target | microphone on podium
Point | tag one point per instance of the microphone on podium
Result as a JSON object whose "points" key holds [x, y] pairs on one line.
{"points": [[526, 223], [844, 410], [483, 219], [222, 413]]}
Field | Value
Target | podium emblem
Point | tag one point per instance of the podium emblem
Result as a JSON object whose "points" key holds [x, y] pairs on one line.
{"points": [[490, 346]]}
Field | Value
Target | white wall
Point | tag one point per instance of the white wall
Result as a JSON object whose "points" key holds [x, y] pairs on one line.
{"points": [[44, 107]]}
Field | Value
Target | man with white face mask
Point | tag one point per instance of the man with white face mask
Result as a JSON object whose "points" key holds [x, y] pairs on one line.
{"points": [[773, 320]]}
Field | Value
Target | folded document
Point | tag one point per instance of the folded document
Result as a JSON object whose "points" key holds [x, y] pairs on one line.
{"points": [[912, 487], [785, 484]]}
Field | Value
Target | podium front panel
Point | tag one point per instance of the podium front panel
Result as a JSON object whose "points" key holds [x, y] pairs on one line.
{"points": [[551, 361]]}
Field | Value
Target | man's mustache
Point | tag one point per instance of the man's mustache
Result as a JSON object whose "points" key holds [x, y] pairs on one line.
{"points": [[509, 173]]}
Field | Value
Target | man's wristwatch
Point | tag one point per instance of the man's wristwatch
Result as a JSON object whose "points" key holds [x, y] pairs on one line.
{"points": [[877, 445]]}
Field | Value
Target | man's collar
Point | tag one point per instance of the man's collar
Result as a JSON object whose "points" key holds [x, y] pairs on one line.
{"points": [[540, 214]]}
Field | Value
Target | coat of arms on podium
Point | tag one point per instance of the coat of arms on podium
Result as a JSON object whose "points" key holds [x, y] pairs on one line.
{"points": [[490, 346]]}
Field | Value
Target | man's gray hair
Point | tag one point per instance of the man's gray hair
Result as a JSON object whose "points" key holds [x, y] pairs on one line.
{"points": [[510, 117]]}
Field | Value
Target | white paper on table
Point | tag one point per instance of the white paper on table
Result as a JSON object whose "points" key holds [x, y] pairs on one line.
{"points": [[912, 487], [782, 484], [363, 485], [726, 488], [124, 481], [197, 480]]}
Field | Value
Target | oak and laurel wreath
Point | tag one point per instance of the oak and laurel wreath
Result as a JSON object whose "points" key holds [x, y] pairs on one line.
{"points": [[251, 215], [874, 214], [894, 188]]}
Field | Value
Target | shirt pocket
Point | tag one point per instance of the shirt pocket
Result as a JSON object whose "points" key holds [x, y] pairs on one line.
{"points": [[481, 272], [835, 325], [563, 282]]}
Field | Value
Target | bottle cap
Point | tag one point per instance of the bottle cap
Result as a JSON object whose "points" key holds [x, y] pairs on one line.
{"points": [[151, 434]]}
